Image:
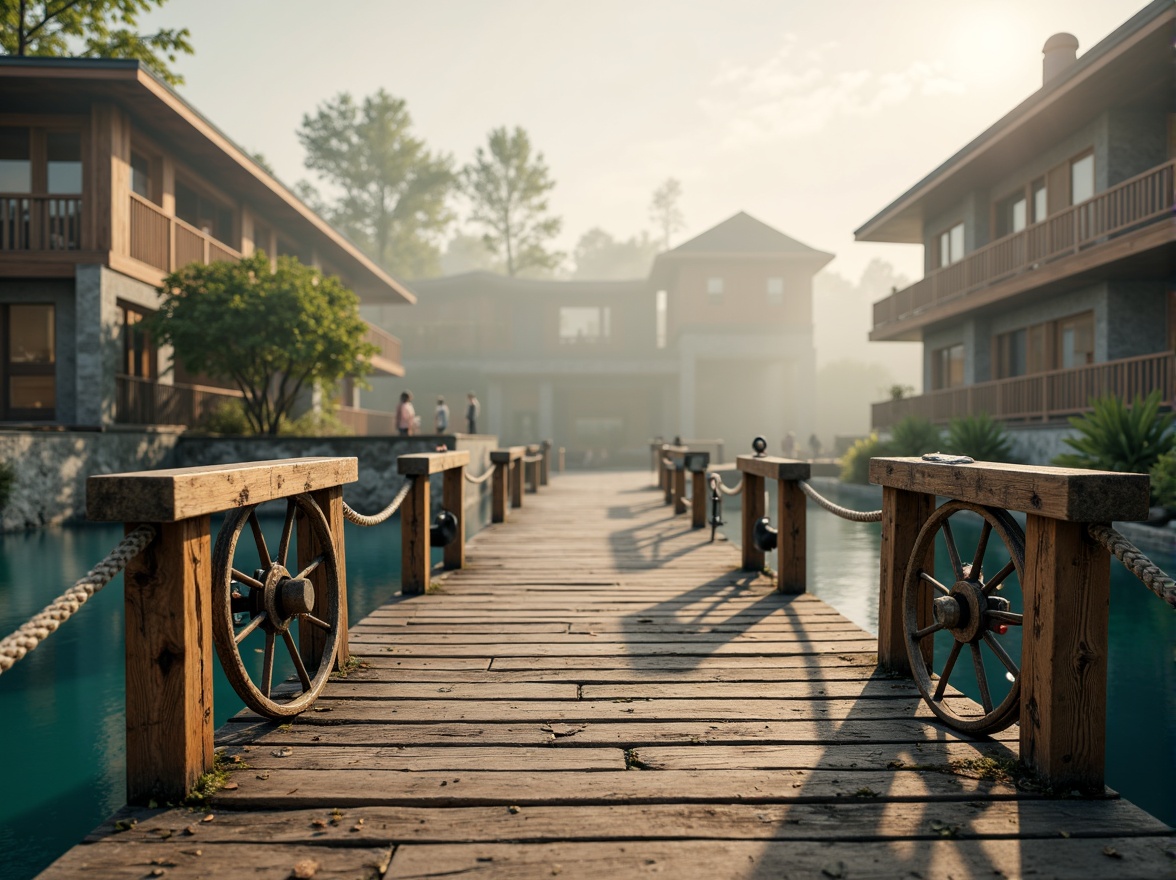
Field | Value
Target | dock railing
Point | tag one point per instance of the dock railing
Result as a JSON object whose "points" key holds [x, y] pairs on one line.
{"points": [[417, 529]]}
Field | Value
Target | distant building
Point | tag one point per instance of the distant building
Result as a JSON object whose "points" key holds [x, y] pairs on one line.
{"points": [[109, 180], [1050, 242], [716, 343]]}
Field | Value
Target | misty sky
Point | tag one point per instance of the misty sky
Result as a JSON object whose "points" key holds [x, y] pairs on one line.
{"points": [[811, 116]]}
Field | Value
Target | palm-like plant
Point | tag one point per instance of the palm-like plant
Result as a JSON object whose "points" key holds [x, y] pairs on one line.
{"points": [[915, 436], [1118, 437], [980, 436]]}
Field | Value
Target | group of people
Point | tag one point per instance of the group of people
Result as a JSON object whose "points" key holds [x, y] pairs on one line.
{"points": [[409, 423]]}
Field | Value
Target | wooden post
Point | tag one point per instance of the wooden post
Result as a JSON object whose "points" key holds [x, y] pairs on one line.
{"points": [[679, 491], [561, 459], [903, 514], [500, 480], [698, 503], [791, 511], [531, 468], [453, 500], [169, 662], [516, 481], [414, 537], [1066, 591], [753, 509], [545, 465], [311, 639]]}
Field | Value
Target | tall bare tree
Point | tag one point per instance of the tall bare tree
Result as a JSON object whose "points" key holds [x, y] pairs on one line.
{"points": [[664, 210]]}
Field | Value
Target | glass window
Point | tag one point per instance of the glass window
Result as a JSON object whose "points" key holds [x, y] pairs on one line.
{"points": [[951, 245], [207, 215], [1076, 341], [28, 338], [141, 175], [1040, 209], [775, 291], [138, 353], [63, 154], [16, 169], [584, 324], [32, 392], [947, 367], [714, 290], [1011, 214], [661, 305], [30, 335], [1082, 179]]}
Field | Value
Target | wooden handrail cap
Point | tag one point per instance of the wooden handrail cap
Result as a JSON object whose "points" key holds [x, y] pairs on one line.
{"points": [[507, 454], [772, 468], [176, 494], [1071, 494], [425, 463]]}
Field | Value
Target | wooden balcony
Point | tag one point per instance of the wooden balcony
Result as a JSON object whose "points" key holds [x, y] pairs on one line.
{"points": [[40, 222], [147, 402], [1129, 206], [167, 242], [1044, 397], [387, 360]]}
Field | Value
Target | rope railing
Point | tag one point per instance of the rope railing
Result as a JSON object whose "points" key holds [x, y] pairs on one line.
{"points": [[37, 629], [1135, 561], [717, 483], [532, 459], [837, 509], [477, 481], [361, 519]]}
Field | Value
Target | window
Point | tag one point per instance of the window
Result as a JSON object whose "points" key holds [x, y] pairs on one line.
{"points": [[140, 175], [661, 309], [714, 290], [16, 167], [1082, 179], [206, 214], [138, 352], [947, 367], [63, 162], [951, 245], [1040, 200], [261, 238], [29, 361], [775, 291], [1075, 341], [1011, 214], [584, 324], [1050, 345]]}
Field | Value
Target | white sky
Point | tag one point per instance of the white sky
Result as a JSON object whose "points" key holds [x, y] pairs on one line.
{"points": [[811, 116]]}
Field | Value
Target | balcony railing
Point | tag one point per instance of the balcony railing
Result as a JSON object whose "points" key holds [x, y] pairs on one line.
{"points": [[1146, 198], [147, 402], [387, 359], [1042, 397], [167, 242], [367, 422], [40, 223]]}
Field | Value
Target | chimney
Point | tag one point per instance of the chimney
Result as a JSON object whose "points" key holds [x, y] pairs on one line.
{"points": [[1060, 51]]}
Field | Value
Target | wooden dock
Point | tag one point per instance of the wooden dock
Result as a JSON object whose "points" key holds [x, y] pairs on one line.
{"points": [[603, 693]]}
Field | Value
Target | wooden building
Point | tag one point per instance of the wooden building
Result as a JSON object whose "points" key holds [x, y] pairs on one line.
{"points": [[716, 343], [109, 180], [1050, 242]]}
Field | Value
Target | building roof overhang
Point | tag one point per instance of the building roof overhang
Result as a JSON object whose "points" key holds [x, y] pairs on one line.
{"points": [[63, 85], [1129, 65]]}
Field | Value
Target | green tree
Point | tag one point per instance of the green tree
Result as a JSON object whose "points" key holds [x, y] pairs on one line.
{"points": [[91, 29], [271, 332], [392, 192], [508, 187], [600, 256], [664, 210]]}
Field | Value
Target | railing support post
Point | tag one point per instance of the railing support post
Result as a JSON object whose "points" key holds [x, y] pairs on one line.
{"points": [[679, 490], [500, 480], [903, 515], [453, 500], [516, 482], [545, 465], [414, 537], [311, 639], [561, 459], [1064, 654], [169, 662], [753, 510], [698, 502], [791, 526]]}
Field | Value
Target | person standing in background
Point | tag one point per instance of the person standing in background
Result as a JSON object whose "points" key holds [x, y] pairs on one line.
{"points": [[405, 414], [441, 416], [472, 410]]}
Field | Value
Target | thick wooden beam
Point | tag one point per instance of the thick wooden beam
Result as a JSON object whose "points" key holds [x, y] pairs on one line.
{"points": [[311, 639], [1064, 654], [453, 500], [545, 469], [772, 468], [903, 514], [500, 480], [516, 482], [432, 462], [414, 538], [698, 502], [679, 491], [791, 525], [753, 510], [169, 662]]}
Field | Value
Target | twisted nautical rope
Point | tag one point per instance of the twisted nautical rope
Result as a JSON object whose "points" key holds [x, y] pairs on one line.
{"points": [[1135, 561], [362, 519], [667, 462], [476, 480], [717, 483], [31, 634], [531, 459], [837, 509]]}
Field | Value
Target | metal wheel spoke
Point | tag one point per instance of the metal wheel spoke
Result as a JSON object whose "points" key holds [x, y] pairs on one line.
{"points": [[314, 563], [999, 577], [259, 539], [310, 618], [1001, 654], [981, 546], [981, 678], [267, 666], [947, 668], [934, 583], [248, 580], [1012, 618], [249, 627], [287, 532], [952, 552], [927, 630], [297, 658]]}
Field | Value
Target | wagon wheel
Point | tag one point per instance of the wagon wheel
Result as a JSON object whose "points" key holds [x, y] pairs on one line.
{"points": [[970, 610], [269, 601]]}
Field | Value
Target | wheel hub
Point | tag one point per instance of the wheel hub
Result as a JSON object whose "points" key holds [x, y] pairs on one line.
{"points": [[963, 611]]}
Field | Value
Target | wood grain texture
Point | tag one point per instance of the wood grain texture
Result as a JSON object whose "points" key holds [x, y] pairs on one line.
{"points": [[903, 514], [1070, 494], [311, 639], [414, 538], [169, 495], [698, 500], [792, 538], [426, 463], [771, 468], [753, 510], [453, 500], [500, 502]]}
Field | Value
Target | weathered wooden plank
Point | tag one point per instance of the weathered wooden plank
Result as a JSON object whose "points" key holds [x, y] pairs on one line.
{"points": [[425, 463], [903, 515], [173, 494], [507, 454], [736, 663], [447, 758], [595, 650], [390, 635], [771, 468]]}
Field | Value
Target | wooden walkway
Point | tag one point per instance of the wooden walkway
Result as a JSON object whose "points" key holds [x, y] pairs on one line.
{"points": [[601, 693]]}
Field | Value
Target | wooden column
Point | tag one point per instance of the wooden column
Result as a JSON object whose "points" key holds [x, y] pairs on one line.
{"points": [[453, 500], [679, 491], [311, 639], [698, 503], [1064, 654], [169, 662], [516, 482], [753, 509], [545, 466], [791, 540], [500, 480], [903, 514], [667, 483], [414, 538], [561, 459]]}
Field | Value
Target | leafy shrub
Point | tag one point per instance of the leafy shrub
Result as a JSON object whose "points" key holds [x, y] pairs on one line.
{"points": [[1163, 480], [7, 480], [325, 423], [914, 436], [855, 464], [227, 417], [980, 436], [1118, 437]]}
